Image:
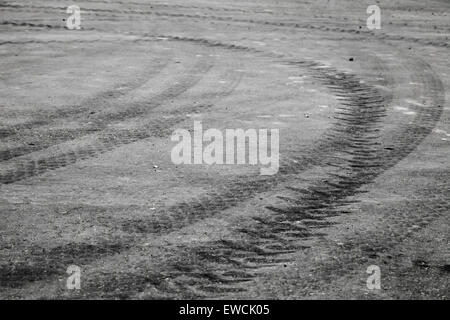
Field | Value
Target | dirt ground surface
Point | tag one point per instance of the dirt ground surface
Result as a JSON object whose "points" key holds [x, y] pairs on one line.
{"points": [[85, 143]]}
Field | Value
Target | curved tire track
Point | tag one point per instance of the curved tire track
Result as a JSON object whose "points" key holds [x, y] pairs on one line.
{"points": [[357, 134], [358, 157], [377, 35], [268, 240], [18, 168]]}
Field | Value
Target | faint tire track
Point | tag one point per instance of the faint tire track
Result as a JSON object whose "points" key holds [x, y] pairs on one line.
{"points": [[221, 267], [47, 117], [362, 110], [354, 156], [306, 209], [107, 138], [377, 35]]}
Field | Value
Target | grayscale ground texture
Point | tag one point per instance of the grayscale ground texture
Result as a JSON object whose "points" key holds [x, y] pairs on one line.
{"points": [[87, 179]]}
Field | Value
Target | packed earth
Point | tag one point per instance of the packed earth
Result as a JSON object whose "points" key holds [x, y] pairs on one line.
{"points": [[93, 206]]}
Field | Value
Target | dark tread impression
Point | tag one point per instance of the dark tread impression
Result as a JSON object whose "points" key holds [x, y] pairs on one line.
{"points": [[351, 154], [267, 241], [136, 13], [220, 267]]}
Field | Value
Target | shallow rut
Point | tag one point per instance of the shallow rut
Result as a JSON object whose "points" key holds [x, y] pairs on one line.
{"points": [[378, 35], [354, 157], [351, 154]]}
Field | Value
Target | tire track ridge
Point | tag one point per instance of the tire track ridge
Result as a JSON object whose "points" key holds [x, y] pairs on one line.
{"points": [[100, 125]]}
